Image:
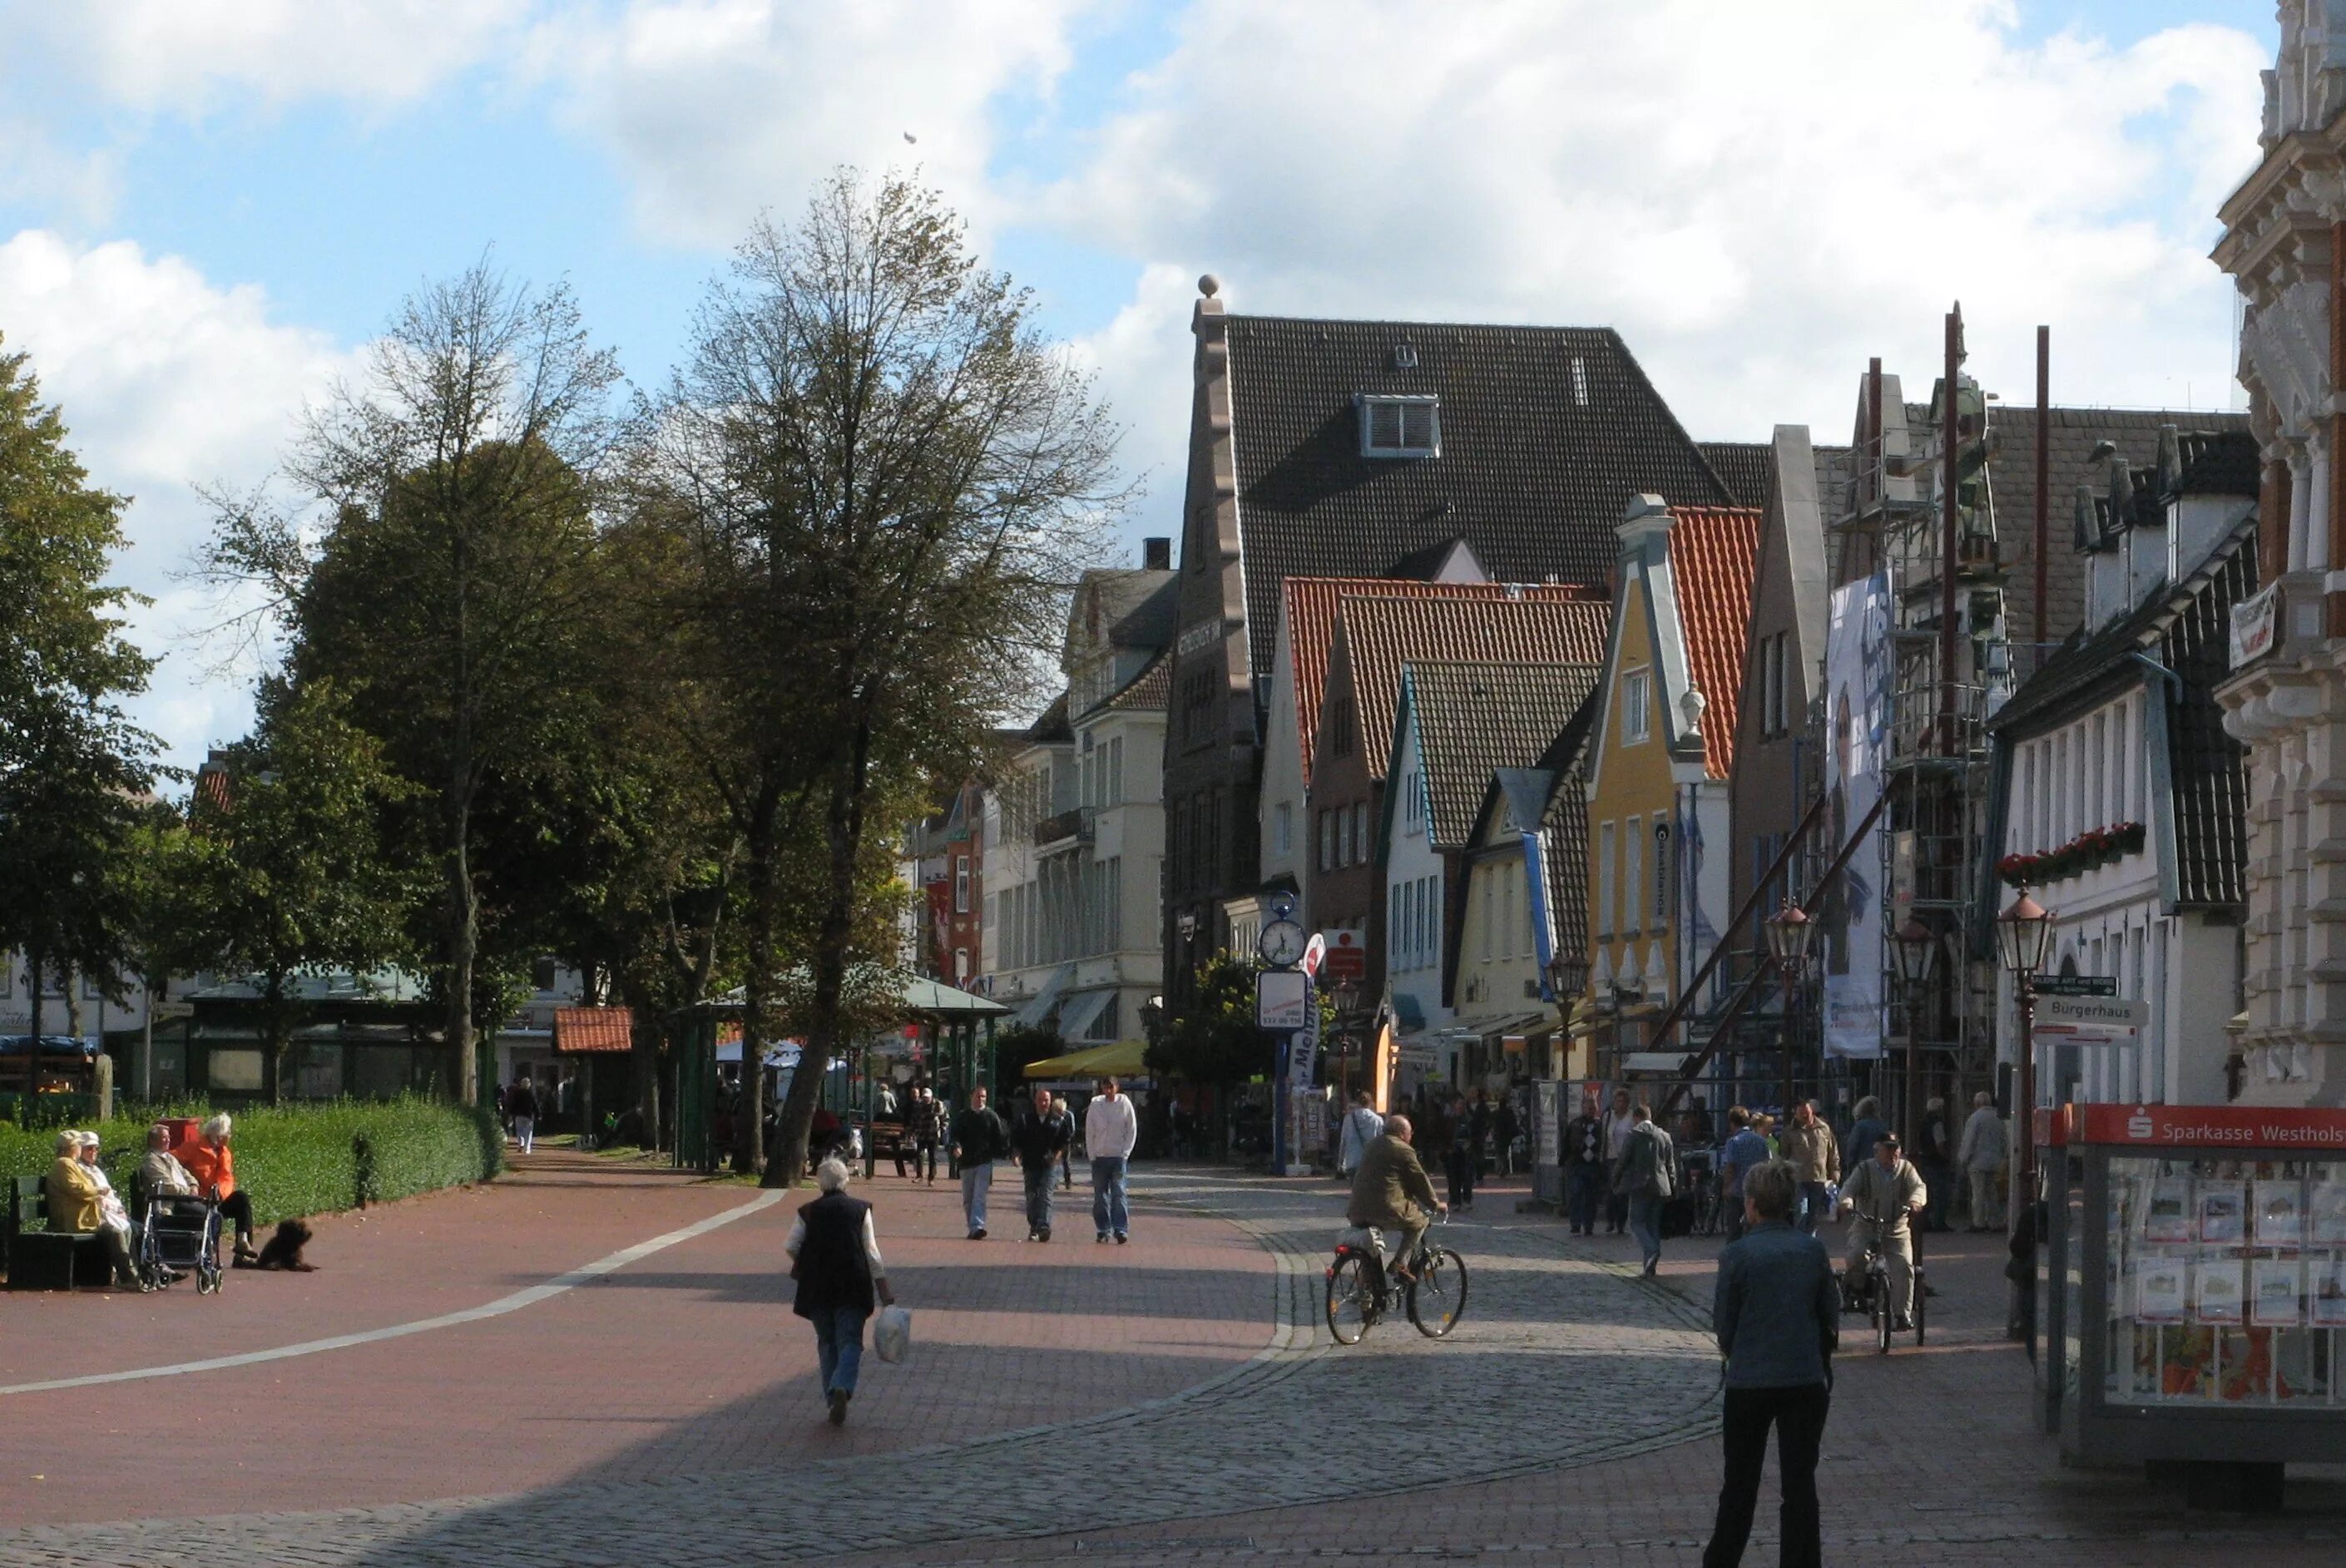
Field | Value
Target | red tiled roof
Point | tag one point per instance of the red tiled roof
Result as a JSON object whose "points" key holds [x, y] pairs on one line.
{"points": [[584, 1029], [1714, 555], [1312, 624], [1380, 632]]}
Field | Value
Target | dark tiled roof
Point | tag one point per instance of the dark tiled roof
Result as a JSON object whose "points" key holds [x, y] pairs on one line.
{"points": [[1312, 627], [1746, 466], [1530, 475], [1473, 717], [1147, 609], [1052, 729], [2187, 627], [1147, 692], [1380, 634], [1714, 562]]}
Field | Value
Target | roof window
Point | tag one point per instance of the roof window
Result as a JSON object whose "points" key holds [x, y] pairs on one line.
{"points": [[1400, 426]]}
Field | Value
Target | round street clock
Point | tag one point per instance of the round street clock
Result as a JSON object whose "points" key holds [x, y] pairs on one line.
{"points": [[1281, 944]]}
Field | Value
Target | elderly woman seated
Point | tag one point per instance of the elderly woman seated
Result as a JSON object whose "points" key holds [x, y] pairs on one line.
{"points": [[76, 1192], [209, 1161]]}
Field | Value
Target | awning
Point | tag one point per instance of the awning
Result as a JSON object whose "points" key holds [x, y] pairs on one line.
{"points": [[1081, 1012], [1120, 1060], [1038, 1007], [1407, 1012], [1655, 1061]]}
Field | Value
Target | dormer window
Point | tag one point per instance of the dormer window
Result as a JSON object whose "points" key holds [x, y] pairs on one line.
{"points": [[1400, 426]]}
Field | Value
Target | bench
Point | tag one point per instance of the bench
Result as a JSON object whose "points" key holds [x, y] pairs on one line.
{"points": [[40, 1259]]}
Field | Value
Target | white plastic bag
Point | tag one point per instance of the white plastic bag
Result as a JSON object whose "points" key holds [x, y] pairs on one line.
{"points": [[892, 1337]]}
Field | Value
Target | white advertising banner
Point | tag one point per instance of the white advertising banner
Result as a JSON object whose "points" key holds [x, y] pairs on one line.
{"points": [[1857, 730]]}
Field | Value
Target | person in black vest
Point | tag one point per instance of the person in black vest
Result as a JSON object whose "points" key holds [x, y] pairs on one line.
{"points": [[835, 1259]]}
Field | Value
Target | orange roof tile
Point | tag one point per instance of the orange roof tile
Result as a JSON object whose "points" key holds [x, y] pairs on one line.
{"points": [[1311, 601], [583, 1029], [1714, 560], [1382, 632]]}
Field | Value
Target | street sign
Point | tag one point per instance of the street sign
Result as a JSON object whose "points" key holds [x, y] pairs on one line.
{"points": [[1347, 955], [1315, 952], [1283, 1000], [2074, 985], [2091, 1020]]}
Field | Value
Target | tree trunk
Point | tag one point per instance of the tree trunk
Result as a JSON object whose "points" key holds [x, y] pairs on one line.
{"points": [[463, 931], [844, 825], [33, 1052], [272, 1041], [757, 991]]}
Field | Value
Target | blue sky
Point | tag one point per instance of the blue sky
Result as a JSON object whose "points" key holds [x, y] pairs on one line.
{"points": [[206, 207]]}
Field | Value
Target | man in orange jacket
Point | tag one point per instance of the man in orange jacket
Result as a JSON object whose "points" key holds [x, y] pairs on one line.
{"points": [[209, 1161]]}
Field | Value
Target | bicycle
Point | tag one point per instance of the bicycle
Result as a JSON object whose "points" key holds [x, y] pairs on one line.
{"points": [[1360, 1290], [1872, 1297]]}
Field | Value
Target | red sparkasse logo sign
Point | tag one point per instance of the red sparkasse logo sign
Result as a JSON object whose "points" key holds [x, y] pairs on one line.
{"points": [[2211, 1126]]}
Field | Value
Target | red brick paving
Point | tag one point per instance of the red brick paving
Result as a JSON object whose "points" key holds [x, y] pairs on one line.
{"points": [[686, 1362]]}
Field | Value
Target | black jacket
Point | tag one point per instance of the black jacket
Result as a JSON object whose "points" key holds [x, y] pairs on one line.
{"points": [[1039, 1139], [832, 1269], [980, 1135]]}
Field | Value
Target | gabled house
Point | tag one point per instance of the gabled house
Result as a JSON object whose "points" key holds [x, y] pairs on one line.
{"points": [[1662, 752], [2119, 799], [1375, 638], [1307, 630], [1332, 448]]}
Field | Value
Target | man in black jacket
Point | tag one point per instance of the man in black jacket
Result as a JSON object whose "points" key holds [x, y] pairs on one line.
{"points": [[979, 1139], [835, 1259], [1039, 1141]]}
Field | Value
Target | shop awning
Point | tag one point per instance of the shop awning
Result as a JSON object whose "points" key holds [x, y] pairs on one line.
{"points": [[1407, 1012], [1080, 1013], [1038, 1007], [1121, 1060]]}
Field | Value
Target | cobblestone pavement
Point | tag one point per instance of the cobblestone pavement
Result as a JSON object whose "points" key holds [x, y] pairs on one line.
{"points": [[1304, 1425]]}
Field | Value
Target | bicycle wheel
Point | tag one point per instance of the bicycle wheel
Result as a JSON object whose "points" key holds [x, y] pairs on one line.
{"points": [[1881, 1318], [1351, 1299], [1438, 1299]]}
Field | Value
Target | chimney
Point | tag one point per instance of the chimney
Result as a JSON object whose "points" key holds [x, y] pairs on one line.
{"points": [[1157, 554]]}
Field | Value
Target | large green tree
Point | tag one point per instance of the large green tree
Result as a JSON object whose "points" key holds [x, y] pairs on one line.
{"points": [[72, 765], [890, 480], [286, 869], [454, 588]]}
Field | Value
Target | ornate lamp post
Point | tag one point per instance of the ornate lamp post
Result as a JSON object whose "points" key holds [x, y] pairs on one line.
{"points": [[2022, 933], [1346, 994], [1918, 952], [1789, 930]]}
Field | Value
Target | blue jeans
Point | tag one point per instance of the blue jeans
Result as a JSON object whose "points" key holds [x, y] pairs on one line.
{"points": [[1646, 1223], [1038, 1197], [975, 1180], [1811, 1210], [1108, 1211], [1583, 1186], [839, 1347]]}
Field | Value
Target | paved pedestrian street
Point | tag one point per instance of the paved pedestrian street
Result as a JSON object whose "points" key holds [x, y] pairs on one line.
{"points": [[1175, 1400]]}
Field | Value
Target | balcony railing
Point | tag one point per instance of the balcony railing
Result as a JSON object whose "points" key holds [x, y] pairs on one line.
{"points": [[1074, 825]]}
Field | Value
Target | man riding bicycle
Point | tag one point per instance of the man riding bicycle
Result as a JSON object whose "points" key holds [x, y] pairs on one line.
{"points": [[1882, 1195], [1392, 1192]]}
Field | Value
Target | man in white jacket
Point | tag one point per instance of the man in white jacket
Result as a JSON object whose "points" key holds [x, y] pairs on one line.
{"points": [[1111, 1127], [1982, 1155]]}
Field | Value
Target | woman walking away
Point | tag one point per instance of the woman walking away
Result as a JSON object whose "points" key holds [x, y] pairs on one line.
{"points": [[1777, 1313], [835, 1259]]}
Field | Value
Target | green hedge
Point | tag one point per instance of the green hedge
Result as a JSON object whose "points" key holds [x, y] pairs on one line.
{"points": [[311, 1159]]}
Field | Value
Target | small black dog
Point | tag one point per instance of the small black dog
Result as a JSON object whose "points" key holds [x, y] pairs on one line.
{"points": [[283, 1249]]}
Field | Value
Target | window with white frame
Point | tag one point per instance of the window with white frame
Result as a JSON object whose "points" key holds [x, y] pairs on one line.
{"points": [[1633, 876], [1490, 927], [1604, 853], [1400, 426], [1282, 828], [1360, 832], [1412, 811], [960, 884], [1396, 927], [1506, 911], [1636, 706]]}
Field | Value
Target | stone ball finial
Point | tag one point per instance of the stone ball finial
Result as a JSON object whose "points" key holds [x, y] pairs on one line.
{"points": [[1210, 285]]}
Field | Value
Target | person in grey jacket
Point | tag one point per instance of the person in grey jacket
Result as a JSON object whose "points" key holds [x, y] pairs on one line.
{"points": [[1648, 1176], [1982, 1154], [1777, 1313]]}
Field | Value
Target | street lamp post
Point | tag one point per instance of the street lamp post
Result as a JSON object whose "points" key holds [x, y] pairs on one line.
{"points": [[2022, 933], [1346, 994], [1788, 932], [1918, 952]]}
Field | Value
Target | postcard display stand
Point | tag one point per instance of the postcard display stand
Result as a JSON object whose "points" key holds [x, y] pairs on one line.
{"points": [[2193, 1303]]}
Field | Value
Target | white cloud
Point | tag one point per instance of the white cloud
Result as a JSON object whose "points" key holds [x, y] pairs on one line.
{"points": [[166, 380], [191, 56], [716, 109], [1758, 196]]}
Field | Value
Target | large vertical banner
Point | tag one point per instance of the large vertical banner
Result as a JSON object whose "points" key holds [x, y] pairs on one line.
{"points": [[1857, 737]]}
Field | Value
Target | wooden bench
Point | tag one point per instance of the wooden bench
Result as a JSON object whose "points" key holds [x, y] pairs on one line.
{"points": [[40, 1259]]}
